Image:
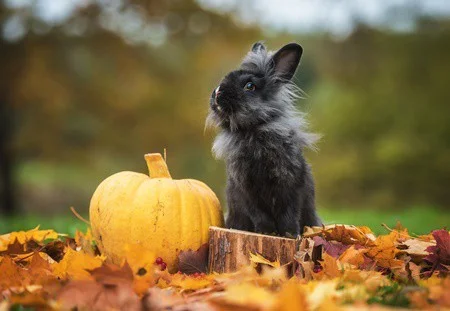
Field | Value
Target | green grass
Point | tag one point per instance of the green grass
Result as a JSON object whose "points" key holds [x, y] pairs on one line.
{"points": [[418, 220], [60, 223]]}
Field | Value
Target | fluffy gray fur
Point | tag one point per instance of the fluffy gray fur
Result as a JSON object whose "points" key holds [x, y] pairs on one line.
{"points": [[270, 187]]}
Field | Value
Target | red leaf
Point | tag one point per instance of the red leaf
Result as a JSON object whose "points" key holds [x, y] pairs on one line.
{"points": [[190, 262], [332, 248], [440, 253]]}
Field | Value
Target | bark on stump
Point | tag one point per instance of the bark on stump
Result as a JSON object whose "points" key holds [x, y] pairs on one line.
{"points": [[230, 249]]}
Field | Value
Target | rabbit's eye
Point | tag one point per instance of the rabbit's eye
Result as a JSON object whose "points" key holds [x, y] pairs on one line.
{"points": [[250, 86]]}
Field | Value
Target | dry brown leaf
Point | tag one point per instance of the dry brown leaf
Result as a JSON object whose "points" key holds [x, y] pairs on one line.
{"points": [[417, 248], [39, 269], [346, 234], [91, 295]]}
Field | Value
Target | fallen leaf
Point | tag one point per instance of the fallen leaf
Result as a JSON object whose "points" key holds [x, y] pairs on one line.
{"points": [[246, 295], [323, 293], [112, 274], [91, 295], [75, 264], [55, 249], [187, 282], [4, 305], [372, 280], [142, 264], [161, 299], [332, 248], [346, 234], [439, 255], [385, 250], [29, 299], [256, 259], [23, 237], [353, 256], [330, 269], [12, 275], [417, 248], [86, 242], [414, 271], [190, 261], [39, 269], [291, 297]]}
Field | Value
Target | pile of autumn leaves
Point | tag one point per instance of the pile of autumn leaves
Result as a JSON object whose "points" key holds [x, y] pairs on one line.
{"points": [[336, 267]]}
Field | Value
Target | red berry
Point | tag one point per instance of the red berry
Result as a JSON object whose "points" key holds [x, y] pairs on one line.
{"points": [[317, 268], [163, 266], [159, 261]]}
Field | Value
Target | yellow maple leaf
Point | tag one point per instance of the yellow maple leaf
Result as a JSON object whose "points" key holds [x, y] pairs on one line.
{"points": [[256, 259], [75, 264], [24, 236]]}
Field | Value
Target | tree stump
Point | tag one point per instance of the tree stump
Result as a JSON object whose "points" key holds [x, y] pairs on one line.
{"points": [[230, 249]]}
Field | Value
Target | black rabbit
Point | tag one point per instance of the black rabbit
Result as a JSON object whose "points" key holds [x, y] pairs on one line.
{"points": [[270, 188]]}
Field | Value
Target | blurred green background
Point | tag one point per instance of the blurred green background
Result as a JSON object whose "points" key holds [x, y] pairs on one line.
{"points": [[87, 87]]}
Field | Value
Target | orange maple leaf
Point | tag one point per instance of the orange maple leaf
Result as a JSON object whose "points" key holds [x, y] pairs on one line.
{"points": [[385, 250]]}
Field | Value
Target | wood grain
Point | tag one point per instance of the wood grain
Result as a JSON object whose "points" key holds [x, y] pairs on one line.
{"points": [[230, 249]]}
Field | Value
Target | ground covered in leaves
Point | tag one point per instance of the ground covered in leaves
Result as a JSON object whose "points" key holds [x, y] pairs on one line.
{"points": [[337, 267]]}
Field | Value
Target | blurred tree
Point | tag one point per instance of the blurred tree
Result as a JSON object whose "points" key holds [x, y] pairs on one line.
{"points": [[95, 89], [383, 106], [97, 92]]}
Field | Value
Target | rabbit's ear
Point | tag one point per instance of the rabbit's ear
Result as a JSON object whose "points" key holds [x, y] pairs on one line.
{"points": [[258, 46], [286, 60]]}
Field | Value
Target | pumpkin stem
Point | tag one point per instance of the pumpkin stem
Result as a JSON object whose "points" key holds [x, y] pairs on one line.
{"points": [[157, 167]]}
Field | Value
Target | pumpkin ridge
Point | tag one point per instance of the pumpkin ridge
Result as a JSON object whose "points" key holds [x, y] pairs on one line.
{"points": [[201, 203]]}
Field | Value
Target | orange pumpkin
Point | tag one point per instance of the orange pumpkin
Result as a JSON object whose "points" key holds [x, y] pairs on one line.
{"points": [[155, 212]]}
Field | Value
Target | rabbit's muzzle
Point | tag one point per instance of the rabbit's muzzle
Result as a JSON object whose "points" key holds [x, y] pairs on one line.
{"points": [[214, 98]]}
